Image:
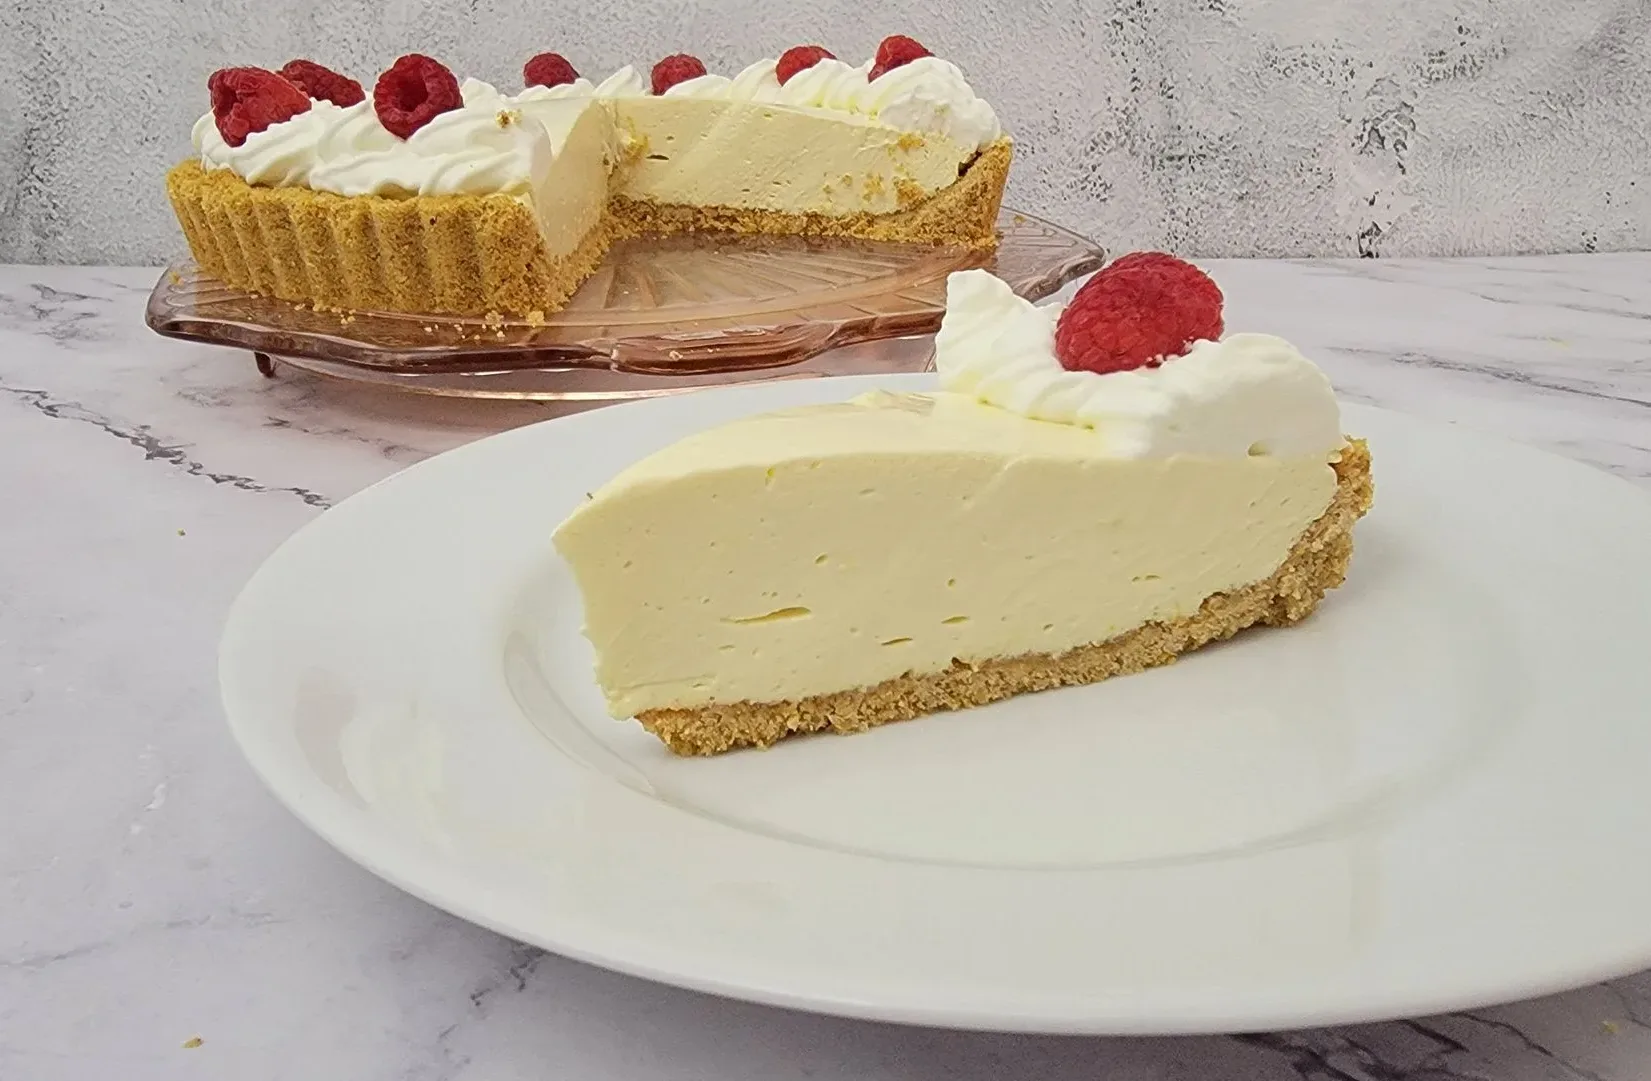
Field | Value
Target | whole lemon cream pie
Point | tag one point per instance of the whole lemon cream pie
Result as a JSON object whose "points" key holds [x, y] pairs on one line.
{"points": [[1091, 492], [435, 195]]}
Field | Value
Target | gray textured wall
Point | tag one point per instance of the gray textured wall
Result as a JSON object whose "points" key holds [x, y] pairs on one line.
{"points": [[1214, 127]]}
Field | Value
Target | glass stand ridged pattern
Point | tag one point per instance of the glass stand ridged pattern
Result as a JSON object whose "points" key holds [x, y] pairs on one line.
{"points": [[661, 315]]}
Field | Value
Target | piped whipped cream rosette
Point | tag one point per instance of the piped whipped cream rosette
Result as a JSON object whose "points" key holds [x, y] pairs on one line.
{"points": [[1139, 357]]}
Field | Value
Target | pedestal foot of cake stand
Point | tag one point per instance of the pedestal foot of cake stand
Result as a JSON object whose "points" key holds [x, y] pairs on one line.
{"points": [[266, 366]]}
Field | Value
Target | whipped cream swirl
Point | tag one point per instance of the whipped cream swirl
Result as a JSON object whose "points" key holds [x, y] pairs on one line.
{"points": [[624, 83], [927, 96], [281, 155], [480, 148], [1248, 394]]}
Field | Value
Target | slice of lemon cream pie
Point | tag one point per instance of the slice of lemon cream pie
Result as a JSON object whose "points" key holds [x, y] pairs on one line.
{"points": [[1091, 492]]}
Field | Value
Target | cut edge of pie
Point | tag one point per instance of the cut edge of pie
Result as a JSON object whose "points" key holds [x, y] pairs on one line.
{"points": [[1316, 563], [962, 215]]}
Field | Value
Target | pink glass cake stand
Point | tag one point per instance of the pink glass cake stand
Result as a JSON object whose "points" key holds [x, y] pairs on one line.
{"points": [[661, 315]]}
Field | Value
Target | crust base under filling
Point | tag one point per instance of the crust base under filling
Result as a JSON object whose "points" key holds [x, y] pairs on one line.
{"points": [[1316, 563], [963, 215]]}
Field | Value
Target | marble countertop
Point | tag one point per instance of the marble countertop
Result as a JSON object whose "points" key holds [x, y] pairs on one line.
{"points": [[164, 918]]}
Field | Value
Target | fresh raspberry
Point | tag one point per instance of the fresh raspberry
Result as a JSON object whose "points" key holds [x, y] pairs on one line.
{"points": [[1135, 313], [678, 68], [248, 100], [548, 69], [1142, 259], [412, 92], [895, 51], [800, 58], [322, 83]]}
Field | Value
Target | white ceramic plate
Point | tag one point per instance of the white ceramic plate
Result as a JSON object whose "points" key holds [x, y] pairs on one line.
{"points": [[1433, 794]]}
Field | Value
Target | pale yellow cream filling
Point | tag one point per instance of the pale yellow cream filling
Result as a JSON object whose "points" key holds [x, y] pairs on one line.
{"points": [[771, 157], [833, 547]]}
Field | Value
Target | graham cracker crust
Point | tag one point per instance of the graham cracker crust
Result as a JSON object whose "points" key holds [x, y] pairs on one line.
{"points": [[452, 254], [482, 254], [963, 215], [1316, 564]]}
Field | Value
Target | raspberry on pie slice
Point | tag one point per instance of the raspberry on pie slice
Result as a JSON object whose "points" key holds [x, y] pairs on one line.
{"points": [[248, 100], [678, 68], [323, 83], [412, 92], [895, 51]]}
